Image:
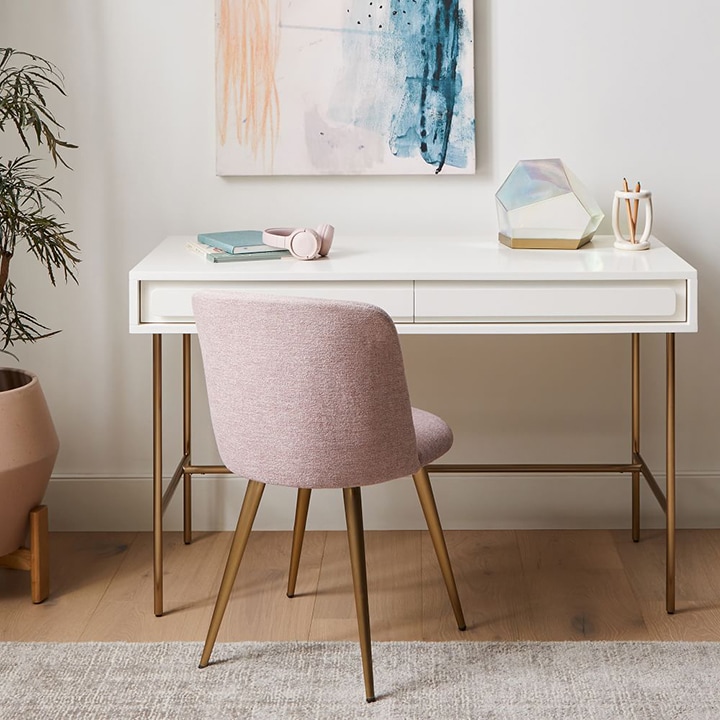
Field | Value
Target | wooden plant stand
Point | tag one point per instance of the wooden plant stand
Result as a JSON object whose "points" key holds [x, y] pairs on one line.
{"points": [[35, 558]]}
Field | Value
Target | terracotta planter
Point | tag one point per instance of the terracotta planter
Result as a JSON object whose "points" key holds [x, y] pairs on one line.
{"points": [[28, 448]]}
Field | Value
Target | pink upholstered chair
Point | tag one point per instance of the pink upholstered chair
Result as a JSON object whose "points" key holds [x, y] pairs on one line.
{"points": [[312, 394]]}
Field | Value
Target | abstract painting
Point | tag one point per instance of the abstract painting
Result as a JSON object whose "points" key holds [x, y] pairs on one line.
{"points": [[341, 87]]}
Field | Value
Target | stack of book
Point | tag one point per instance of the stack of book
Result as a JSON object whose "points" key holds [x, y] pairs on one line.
{"points": [[234, 245]]}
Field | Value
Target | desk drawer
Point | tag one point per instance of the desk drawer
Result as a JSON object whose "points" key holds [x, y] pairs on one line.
{"points": [[569, 301], [171, 301]]}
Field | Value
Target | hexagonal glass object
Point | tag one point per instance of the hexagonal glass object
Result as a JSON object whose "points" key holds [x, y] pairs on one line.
{"points": [[542, 204]]}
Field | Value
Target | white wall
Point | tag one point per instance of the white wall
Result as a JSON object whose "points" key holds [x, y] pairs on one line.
{"points": [[614, 88]]}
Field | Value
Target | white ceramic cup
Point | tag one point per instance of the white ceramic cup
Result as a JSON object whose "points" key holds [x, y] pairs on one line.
{"points": [[644, 197]]}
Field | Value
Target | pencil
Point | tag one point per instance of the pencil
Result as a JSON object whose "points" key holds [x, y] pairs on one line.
{"points": [[631, 222], [636, 205]]}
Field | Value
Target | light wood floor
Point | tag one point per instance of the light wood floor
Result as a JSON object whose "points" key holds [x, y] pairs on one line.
{"points": [[514, 585]]}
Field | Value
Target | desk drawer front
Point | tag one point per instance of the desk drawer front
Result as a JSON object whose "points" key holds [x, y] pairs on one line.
{"points": [[571, 301], [171, 302]]}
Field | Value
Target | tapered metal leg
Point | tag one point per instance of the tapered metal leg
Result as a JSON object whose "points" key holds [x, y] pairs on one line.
{"points": [[187, 421], [301, 513], [429, 507], [635, 435], [253, 494], [670, 473], [354, 520], [157, 477]]}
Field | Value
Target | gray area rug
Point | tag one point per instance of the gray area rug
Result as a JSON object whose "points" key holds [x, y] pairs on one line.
{"points": [[443, 681]]}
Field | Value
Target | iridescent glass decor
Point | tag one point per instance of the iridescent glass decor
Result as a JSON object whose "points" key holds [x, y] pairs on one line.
{"points": [[542, 204]]}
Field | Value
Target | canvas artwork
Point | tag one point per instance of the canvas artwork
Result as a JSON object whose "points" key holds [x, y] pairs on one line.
{"points": [[339, 87]]}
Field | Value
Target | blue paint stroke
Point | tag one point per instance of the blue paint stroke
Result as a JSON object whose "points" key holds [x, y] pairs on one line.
{"points": [[399, 86], [427, 36]]}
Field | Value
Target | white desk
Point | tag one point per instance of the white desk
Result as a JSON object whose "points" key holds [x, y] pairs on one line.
{"points": [[440, 285]]}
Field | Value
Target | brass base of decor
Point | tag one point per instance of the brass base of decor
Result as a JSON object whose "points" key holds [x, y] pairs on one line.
{"points": [[544, 243], [35, 558]]}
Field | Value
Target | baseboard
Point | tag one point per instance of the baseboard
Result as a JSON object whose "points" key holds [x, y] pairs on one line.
{"points": [[465, 501]]}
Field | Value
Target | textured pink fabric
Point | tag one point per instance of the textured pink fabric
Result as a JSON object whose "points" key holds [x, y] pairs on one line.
{"points": [[433, 435], [310, 393]]}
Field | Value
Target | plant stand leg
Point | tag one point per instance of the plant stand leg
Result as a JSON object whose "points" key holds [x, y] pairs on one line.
{"points": [[39, 554], [35, 559]]}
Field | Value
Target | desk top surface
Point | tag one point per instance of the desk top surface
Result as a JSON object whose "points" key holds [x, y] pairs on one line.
{"points": [[460, 258]]}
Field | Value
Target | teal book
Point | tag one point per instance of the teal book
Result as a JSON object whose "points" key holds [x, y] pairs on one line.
{"points": [[236, 242], [216, 255]]}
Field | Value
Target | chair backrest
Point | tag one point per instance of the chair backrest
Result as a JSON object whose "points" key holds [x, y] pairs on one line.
{"points": [[305, 392]]}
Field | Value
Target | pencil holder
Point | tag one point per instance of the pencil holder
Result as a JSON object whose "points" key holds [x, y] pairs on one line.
{"points": [[632, 202]]}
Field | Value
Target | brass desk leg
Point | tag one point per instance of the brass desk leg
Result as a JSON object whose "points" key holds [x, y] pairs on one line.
{"points": [[635, 435], [157, 476], [187, 477], [670, 470]]}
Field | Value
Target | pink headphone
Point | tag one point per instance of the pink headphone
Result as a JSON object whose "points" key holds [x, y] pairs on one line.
{"points": [[303, 243]]}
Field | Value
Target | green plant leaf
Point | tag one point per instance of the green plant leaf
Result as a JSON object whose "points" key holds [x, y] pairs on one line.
{"points": [[29, 204]]}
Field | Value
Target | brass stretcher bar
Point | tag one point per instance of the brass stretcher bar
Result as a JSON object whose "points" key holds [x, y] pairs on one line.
{"points": [[637, 466]]}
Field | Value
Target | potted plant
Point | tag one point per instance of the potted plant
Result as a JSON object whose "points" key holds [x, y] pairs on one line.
{"points": [[29, 208]]}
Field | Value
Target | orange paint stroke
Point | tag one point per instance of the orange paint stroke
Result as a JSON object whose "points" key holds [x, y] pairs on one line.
{"points": [[248, 44]]}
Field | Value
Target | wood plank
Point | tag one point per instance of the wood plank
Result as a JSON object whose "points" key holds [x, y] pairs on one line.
{"points": [[394, 588], [126, 612], [489, 577], [394, 566], [514, 585], [82, 566], [259, 608], [334, 613], [578, 589], [697, 611]]}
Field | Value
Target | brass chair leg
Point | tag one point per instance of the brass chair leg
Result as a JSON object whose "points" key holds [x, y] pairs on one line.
{"points": [[353, 518], [427, 501], [301, 513], [253, 494]]}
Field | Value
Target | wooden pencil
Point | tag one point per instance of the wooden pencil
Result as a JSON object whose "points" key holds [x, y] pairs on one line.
{"points": [[636, 206], [631, 222]]}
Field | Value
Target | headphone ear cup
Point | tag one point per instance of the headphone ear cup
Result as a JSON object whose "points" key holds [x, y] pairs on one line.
{"points": [[326, 234], [304, 244]]}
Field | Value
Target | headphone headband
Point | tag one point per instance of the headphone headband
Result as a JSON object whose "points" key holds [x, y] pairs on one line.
{"points": [[303, 243]]}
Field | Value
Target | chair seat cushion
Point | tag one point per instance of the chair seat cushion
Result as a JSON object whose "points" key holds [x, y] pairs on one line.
{"points": [[434, 436]]}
